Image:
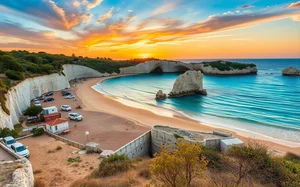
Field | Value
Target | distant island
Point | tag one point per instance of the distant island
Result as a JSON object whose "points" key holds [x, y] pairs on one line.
{"points": [[220, 67]]}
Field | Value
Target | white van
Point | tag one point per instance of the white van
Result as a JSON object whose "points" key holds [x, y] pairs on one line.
{"points": [[50, 110]]}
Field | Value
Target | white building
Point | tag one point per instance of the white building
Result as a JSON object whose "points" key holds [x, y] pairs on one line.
{"points": [[58, 126], [50, 110]]}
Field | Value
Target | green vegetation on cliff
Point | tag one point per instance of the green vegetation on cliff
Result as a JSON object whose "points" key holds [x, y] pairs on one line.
{"points": [[226, 66]]}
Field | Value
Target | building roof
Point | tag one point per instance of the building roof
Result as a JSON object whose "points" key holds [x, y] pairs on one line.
{"points": [[56, 121]]}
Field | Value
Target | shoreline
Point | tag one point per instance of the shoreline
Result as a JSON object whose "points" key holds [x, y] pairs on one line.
{"points": [[156, 115]]}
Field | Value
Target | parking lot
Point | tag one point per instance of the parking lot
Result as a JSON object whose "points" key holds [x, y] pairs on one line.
{"points": [[111, 132]]}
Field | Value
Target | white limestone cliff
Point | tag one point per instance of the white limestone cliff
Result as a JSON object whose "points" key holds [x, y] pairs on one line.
{"points": [[163, 65], [19, 96], [214, 71], [291, 71], [188, 83]]}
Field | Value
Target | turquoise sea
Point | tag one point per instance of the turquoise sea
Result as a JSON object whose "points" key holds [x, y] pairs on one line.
{"points": [[267, 103]]}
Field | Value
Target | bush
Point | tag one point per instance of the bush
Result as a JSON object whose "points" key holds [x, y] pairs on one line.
{"points": [[7, 132], [46, 68], [145, 173], [33, 111], [213, 156], [14, 75], [38, 132], [9, 62], [75, 159], [113, 165]]}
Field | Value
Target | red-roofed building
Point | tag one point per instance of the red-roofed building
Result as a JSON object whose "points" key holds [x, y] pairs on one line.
{"points": [[58, 126]]}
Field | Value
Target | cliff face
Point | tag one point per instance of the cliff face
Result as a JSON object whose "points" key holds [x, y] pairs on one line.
{"points": [[291, 71], [157, 66], [19, 96], [188, 83], [170, 66]]}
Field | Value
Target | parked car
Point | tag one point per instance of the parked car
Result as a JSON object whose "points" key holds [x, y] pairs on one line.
{"points": [[33, 100], [20, 150], [75, 116], [8, 141], [65, 108], [33, 119], [70, 97], [42, 97], [66, 93], [49, 99], [63, 91], [37, 103], [49, 93]]}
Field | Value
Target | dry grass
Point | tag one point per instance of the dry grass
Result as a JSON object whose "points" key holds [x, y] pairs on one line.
{"points": [[20, 165], [120, 182], [58, 148], [38, 182], [6, 171], [37, 171], [54, 150]]}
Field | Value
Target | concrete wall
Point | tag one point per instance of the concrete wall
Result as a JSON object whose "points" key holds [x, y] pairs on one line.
{"points": [[138, 147], [19, 96]]}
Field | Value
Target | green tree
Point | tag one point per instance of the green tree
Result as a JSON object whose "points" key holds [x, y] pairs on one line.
{"points": [[179, 167], [33, 111], [9, 62], [14, 75]]}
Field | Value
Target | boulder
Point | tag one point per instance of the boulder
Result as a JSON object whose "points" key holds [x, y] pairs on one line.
{"points": [[93, 147], [106, 153], [188, 83], [160, 95], [291, 71]]}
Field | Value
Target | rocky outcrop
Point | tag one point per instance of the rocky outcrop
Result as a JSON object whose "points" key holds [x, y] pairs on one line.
{"points": [[162, 66], [23, 176], [187, 84], [228, 68], [19, 96], [291, 71], [160, 95]]}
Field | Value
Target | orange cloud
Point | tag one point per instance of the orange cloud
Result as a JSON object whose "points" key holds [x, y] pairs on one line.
{"points": [[294, 5], [106, 16]]}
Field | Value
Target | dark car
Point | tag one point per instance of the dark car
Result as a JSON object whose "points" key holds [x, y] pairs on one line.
{"points": [[42, 97], [49, 93], [49, 99], [66, 93]]}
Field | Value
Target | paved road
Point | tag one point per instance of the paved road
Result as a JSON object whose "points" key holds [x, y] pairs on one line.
{"points": [[5, 156]]}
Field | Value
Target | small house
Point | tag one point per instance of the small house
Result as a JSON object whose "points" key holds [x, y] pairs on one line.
{"points": [[58, 126], [50, 110]]}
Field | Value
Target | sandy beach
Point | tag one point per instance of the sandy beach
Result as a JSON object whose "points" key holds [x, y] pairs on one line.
{"points": [[95, 101]]}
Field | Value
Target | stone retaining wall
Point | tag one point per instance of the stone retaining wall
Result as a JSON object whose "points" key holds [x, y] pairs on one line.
{"points": [[138, 147]]}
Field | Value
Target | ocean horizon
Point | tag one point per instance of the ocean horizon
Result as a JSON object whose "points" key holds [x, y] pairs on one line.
{"points": [[266, 104]]}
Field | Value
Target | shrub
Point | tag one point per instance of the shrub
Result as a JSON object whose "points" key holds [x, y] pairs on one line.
{"points": [[177, 136], [38, 132], [113, 165], [33, 111], [3, 101], [226, 66], [7, 132], [74, 159], [145, 173], [58, 148], [213, 156], [9, 62], [46, 68], [14, 75]]}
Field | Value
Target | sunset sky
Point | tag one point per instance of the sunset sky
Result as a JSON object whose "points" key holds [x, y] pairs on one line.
{"points": [[169, 29]]}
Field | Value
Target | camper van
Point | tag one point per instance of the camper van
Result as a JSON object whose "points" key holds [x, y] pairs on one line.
{"points": [[50, 110]]}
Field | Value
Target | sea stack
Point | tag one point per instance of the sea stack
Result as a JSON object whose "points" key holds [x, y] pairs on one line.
{"points": [[188, 83], [291, 71], [160, 95]]}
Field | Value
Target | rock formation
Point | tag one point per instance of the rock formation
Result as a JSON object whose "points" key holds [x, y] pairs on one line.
{"points": [[160, 95], [187, 84], [164, 66], [291, 71]]}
